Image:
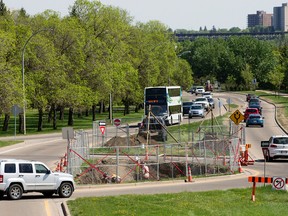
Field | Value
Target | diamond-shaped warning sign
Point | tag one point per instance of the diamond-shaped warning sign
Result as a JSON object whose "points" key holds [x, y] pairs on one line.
{"points": [[102, 129], [237, 117]]}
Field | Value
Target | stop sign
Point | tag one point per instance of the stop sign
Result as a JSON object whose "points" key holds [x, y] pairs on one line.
{"points": [[117, 122]]}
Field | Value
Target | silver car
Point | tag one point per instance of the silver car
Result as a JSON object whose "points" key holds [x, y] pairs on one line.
{"points": [[196, 110]]}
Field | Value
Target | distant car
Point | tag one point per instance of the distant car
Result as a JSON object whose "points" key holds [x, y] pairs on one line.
{"points": [[196, 110], [255, 105], [249, 111], [254, 100], [249, 96], [186, 107], [204, 101], [192, 90], [255, 119], [276, 147], [207, 94], [199, 90], [211, 102]]}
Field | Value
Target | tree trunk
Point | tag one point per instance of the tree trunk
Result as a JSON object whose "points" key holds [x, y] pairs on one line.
{"points": [[50, 114], [40, 119], [21, 123], [54, 117], [70, 117], [87, 112], [126, 108], [6, 122], [61, 114], [101, 107], [94, 113]]}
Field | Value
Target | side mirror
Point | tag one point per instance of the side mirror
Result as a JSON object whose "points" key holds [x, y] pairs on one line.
{"points": [[48, 172]]}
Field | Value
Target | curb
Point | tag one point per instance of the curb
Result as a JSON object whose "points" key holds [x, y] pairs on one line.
{"points": [[65, 209], [275, 116]]}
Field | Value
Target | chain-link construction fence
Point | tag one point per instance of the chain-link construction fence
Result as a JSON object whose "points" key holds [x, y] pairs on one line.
{"points": [[121, 154]]}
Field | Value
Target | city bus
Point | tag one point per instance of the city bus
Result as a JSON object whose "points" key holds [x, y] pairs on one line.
{"points": [[165, 102]]}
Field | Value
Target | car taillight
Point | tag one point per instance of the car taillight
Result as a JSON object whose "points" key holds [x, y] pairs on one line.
{"points": [[1, 178], [273, 146]]}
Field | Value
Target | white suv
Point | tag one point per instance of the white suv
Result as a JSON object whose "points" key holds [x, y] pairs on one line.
{"points": [[23, 176], [204, 101], [276, 147], [199, 90]]}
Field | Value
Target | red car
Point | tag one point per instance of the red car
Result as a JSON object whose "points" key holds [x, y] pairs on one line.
{"points": [[249, 111]]}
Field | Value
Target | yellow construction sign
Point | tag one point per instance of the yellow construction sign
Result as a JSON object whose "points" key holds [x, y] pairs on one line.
{"points": [[237, 117]]}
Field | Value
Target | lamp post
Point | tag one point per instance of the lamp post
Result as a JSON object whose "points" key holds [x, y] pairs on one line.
{"points": [[23, 78]]}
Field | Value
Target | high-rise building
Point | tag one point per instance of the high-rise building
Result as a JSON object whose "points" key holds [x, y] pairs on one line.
{"points": [[280, 18], [261, 18]]}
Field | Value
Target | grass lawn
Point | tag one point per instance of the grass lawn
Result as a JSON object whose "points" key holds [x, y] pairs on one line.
{"points": [[7, 143], [230, 202], [80, 122]]}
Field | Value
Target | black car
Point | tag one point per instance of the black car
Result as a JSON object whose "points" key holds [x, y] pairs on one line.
{"points": [[186, 107]]}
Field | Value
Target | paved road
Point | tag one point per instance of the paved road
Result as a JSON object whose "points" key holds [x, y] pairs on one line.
{"points": [[49, 148]]}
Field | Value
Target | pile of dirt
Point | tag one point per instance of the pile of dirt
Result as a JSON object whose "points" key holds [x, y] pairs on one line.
{"points": [[133, 140]]}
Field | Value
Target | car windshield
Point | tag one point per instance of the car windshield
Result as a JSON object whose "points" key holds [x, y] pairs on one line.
{"points": [[254, 100], [200, 99], [281, 140], [196, 107], [254, 117], [187, 103], [254, 104], [251, 111]]}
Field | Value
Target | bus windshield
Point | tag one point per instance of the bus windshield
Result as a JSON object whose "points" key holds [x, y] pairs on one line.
{"points": [[158, 110]]}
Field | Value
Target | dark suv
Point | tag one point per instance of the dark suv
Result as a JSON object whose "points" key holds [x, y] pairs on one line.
{"points": [[157, 127]]}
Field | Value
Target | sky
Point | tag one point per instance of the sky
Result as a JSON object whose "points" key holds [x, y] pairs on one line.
{"points": [[175, 14]]}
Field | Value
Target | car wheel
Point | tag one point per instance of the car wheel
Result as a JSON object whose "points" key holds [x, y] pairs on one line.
{"points": [[247, 125], [268, 158], [15, 192], [48, 194], [65, 190], [190, 117], [262, 125], [1, 195]]}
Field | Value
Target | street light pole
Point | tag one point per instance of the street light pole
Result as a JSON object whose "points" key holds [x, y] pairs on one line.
{"points": [[23, 78]]}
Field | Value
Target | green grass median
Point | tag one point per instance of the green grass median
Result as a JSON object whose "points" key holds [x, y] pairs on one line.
{"points": [[222, 203]]}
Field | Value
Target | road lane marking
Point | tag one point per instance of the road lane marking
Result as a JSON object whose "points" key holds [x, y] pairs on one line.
{"points": [[47, 208]]}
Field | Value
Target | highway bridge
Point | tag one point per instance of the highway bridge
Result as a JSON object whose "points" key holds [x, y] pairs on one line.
{"points": [[260, 36]]}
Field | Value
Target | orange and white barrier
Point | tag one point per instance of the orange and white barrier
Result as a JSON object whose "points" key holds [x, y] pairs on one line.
{"points": [[240, 167]]}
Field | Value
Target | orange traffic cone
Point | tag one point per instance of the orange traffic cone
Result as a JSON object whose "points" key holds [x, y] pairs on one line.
{"points": [[189, 174], [240, 167], [65, 160], [61, 165], [58, 167]]}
